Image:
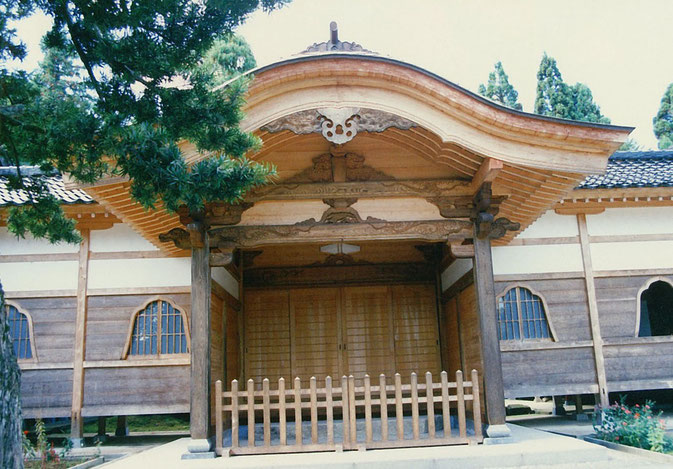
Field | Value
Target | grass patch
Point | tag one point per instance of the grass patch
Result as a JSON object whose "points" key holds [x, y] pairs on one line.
{"points": [[144, 423]]}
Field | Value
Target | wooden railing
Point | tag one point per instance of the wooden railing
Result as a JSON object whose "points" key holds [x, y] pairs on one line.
{"points": [[347, 402]]}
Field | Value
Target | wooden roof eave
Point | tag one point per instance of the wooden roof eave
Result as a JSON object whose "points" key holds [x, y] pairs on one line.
{"points": [[454, 114]]}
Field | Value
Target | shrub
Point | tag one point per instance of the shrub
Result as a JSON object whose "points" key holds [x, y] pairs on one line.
{"points": [[636, 426]]}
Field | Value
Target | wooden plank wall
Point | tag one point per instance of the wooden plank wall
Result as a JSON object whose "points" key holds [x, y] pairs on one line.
{"points": [[450, 334], [469, 330], [566, 300], [527, 371], [127, 389], [617, 304], [630, 362], [233, 343], [109, 319], [48, 392], [463, 345], [136, 390], [53, 326], [216, 344]]}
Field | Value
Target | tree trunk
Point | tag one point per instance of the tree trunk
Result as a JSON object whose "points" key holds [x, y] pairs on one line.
{"points": [[11, 451]]}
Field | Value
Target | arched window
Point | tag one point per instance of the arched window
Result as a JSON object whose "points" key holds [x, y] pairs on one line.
{"points": [[21, 332], [656, 309], [159, 328], [522, 316]]}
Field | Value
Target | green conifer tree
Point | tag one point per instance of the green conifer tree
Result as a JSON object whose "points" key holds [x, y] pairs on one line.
{"points": [[499, 89], [228, 57], [555, 98], [663, 121]]}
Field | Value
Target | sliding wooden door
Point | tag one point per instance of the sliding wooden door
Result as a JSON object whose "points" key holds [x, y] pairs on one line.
{"points": [[314, 332], [355, 331], [267, 336], [368, 326]]}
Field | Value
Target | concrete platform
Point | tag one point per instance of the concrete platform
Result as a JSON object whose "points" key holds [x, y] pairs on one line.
{"points": [[529, 449]]}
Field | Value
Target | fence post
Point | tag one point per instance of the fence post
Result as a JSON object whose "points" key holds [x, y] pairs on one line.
{"points": [[267, 412], [446, 415], [414, 406], [299, 440], [399, 410], [368, 409], [234, 414], [460, 395], [314, 411], [430, 404], [251, 413], [281, 412], [345, 414], [218, 417], [383, 398], [476, 405], [351, 403], [329, 410]]}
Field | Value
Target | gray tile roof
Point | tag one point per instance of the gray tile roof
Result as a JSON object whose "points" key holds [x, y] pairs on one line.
{"points": [[55, 184], [625, 169], [634, 169]]}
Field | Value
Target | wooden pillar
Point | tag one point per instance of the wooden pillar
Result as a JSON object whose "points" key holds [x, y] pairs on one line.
{"points": [[494, 394], [200, 341], [122, 428], [593, 310], [101, 426], [76, 424]]}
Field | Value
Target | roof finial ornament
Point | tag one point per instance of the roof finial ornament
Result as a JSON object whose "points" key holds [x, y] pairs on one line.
{"points": [[335, 45], [334, 35]]}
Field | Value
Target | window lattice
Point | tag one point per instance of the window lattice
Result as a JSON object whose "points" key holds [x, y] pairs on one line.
{"points": [[521, 316], [20, 332], [158, 328]]}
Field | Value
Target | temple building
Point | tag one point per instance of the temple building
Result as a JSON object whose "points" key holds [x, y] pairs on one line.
{"points": [[413, 227]]}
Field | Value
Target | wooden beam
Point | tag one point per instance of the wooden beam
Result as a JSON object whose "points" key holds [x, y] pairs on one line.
{"points": [[200, 343], [460, 251], [313, 232], [593, 310], [76, 423], [339, 275], [487, 172], [494, 394], [396, 188]]}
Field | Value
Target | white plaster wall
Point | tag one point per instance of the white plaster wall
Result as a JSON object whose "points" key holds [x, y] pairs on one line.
{"points": [[633, 220], [226, 280], [136, 273], [455, 271], [31, 276], [632, 255], [536, 259], [10, 244], [119, 238], [551, 225], [283, 213], [397, 209]]}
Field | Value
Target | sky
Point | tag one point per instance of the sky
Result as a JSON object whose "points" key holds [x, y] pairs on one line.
{"points": [[621, 49]]}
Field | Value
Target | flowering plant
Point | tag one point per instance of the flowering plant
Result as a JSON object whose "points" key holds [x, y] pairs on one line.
{"points": [[637, 426]]}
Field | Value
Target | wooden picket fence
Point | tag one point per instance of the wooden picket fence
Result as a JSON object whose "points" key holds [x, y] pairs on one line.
{"points": [[348, 401]]}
